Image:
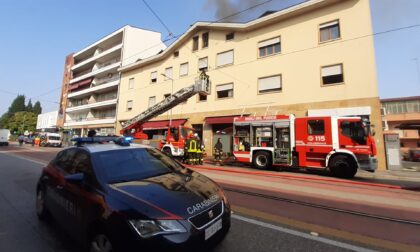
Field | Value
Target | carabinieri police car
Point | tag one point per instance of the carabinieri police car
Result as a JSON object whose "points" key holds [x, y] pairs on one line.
{"points": [[122, 197]]}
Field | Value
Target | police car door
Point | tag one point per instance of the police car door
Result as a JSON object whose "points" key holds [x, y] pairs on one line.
{"points": [[56, 199], [85, 196]]}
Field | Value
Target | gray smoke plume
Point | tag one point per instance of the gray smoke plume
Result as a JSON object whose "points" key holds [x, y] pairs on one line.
{"points": [[225, 10]]}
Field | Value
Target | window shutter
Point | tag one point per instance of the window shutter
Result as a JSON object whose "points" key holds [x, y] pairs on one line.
{"points": [[168, 73], [269, 83], [224, 58], [332, 70], [153, 75], [328, 24], [269, 42], [202, 63], [183, 69], [224, 87]]}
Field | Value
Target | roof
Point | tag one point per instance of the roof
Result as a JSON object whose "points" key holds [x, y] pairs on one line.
{"points": [[278, 16], [398, 99], [97, 147]]}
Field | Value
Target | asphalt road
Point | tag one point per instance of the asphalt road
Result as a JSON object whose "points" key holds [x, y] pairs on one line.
{"points": [[20, 229]]}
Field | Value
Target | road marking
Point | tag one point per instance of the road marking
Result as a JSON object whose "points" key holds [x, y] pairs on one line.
{"points": [[26, 159], [302, 235]]}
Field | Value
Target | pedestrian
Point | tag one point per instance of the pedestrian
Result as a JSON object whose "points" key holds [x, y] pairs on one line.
{"points": [[200, 149], [218, 152], [37, 140], [21, 138]]}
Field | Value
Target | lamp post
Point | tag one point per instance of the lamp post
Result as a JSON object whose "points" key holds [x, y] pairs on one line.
{"points": [[172, 91]]}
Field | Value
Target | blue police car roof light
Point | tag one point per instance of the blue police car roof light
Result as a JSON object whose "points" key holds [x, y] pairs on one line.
{"points": [[101, 139]]}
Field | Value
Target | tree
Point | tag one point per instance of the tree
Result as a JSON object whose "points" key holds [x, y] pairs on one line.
{"points": [[18, 105], [22, 121], [29, 107], [37, 108]]}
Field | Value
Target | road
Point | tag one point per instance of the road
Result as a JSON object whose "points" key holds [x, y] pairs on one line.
{"points": [[255, 223]]}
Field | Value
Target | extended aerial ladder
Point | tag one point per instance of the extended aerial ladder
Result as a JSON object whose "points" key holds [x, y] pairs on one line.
{"points": [[201, 86]]}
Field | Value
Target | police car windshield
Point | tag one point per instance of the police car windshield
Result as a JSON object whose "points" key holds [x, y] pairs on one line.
{"points": [[134, 164]]}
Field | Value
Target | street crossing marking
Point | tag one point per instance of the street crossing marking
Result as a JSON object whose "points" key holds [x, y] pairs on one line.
{"points": [[303, 235]]}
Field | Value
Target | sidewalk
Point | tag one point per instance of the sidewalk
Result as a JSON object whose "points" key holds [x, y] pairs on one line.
{"points": [[410, 175]]}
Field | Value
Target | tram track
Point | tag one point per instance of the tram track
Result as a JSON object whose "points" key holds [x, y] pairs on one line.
{"points": [[323, 207]]}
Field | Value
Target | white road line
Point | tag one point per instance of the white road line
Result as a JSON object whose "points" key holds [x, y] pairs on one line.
{"points": [[26, 159], [301, 234]]}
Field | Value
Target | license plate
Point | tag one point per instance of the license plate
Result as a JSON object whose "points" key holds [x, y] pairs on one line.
{"points": [[210, 231]]}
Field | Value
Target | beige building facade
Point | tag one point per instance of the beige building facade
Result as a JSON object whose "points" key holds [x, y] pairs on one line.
{"points": [[318, 55]]}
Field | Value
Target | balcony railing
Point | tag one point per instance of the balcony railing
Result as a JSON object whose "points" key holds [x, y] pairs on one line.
{"points": [[111, 67], [98, 54]]}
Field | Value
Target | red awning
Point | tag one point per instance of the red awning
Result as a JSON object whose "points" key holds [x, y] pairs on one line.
{"points": [[80, 84], [220, 120], [154, 125]]}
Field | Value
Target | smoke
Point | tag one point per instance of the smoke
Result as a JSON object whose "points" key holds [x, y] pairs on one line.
{"points": [[225, 10]]}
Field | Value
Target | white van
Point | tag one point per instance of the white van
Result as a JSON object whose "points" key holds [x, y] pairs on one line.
{"points": [[51, 139], [4, 137]]}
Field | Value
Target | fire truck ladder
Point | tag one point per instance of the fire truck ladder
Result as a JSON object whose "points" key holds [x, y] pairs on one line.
{"points": [[202, 86]]}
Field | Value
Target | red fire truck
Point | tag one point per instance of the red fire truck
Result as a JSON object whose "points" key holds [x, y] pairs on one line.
{"points": [[175, 137], [340, 144]]}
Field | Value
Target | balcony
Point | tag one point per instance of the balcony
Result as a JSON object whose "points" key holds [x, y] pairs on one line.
{"points": [[97, 88], [101, 71], [89, 121], [97, 56], [90, 105]]}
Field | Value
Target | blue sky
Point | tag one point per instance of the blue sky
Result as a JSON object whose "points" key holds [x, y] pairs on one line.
{"points": [[37, 35]]}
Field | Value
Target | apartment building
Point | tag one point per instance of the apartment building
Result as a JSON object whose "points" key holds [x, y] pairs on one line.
{"points": [[402, 115], [91, 78], [313, 58]]}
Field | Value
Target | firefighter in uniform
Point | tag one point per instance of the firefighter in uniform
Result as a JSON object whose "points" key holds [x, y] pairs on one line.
{"points": [[200, 149], [191, 151], [218, 152]]}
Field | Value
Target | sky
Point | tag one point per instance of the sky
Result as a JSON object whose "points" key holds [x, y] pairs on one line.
{"points": [[36, 35]]}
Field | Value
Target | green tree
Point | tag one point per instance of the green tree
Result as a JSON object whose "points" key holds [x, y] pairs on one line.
{"points": [[18, 105], [22, 121], [37, 108], [29, 107]]}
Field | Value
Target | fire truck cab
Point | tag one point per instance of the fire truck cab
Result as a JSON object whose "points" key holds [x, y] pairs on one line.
{"points": [[340, 144]]}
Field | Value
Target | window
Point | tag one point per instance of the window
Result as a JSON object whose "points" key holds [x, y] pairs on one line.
{"points": [[168, 73], [166, 96], [224, 58], [269, 84], [129, 105], [269, 47], [176, 54], [202, 97], [205, 38], [131, 83], [329, 31], [230, 36], [64, 160], [354, 130], [153, 77], [203, 64], [332, 74], [316, 127], [195, 43], [224, 91], [183, 69], [152, 101]]}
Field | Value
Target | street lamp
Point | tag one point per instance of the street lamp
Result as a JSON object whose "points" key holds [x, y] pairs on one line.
{"points": [[172, 91]]}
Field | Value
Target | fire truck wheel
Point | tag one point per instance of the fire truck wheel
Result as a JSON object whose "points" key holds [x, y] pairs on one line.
{"points": [[167, 151], [261, 160], [343, 167]]}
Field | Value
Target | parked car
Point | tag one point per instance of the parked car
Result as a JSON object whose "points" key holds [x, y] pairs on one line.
{"points": [[4, 136], [412, 155], [131, 197]]}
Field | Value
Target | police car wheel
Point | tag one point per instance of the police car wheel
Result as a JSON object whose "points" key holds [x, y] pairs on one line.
{"points": [[41, 211], [100, 243]]}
